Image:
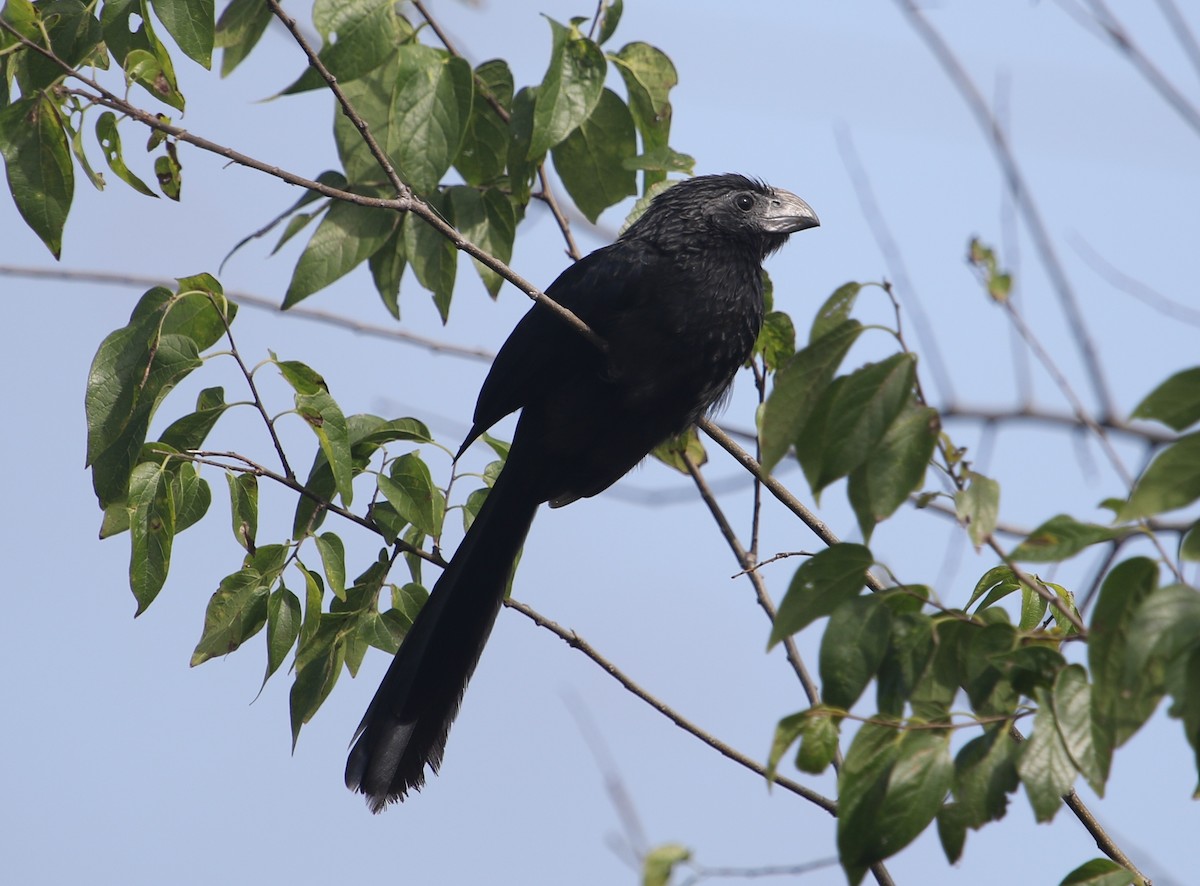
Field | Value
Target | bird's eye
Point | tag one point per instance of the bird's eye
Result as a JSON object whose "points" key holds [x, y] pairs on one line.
{"points": [[744, 202]]}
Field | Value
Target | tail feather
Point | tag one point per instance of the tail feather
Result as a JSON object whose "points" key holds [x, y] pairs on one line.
{"points": [[405, 727]]}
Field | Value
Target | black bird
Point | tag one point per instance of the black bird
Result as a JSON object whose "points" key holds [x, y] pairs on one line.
{"points": [[678, 299]]}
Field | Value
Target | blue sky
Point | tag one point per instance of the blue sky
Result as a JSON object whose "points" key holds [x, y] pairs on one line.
{"points": [[120, 762]]}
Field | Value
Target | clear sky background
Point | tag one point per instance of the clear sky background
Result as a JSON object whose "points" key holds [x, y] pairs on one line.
{"points": [[118, 763]]}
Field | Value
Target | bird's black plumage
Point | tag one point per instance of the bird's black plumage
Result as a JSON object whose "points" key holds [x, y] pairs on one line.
{"points": [[678, 301]]}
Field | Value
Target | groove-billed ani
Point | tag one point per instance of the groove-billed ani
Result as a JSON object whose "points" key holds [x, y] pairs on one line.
{"points": [[678, 299]]}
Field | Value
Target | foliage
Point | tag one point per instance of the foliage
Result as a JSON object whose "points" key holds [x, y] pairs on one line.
{"points": [[468, 147]]}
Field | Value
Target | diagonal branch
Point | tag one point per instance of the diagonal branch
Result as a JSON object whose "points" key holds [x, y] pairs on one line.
{"points": [[575, 641], [1022, 196]]}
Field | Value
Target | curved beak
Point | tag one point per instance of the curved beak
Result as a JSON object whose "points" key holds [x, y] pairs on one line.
{"points": [[786, 213]]}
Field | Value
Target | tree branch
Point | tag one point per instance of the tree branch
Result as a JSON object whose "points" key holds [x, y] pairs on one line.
{"points": [[575, 641], [1022, 195]]}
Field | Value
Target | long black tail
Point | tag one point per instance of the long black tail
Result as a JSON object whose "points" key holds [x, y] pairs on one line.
{"points": [[406, 725]]}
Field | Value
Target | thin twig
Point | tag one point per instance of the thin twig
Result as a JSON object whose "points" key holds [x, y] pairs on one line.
{"points": [[747, 565], [546, 195], [1022, 194], [893, 258], [1112, 28], [778, 490], [258, 403], [247, 299], [1183, 33], [352, 115], [244, 465], [573, 640], [406, 203], [1121, 281]]}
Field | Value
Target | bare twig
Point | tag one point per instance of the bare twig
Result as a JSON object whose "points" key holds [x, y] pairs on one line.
{"points": [[894, 259], [573, 640], [546, 194], [760, 589], [1183, 33], [1022, 194], [405, 203], [778, 490], [341, 321], [1119, 280], [258, 403], [1103, 18], [353, 116]]}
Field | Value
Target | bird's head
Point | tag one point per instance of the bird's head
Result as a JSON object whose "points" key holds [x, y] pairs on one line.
{"points": [[728, 208]]}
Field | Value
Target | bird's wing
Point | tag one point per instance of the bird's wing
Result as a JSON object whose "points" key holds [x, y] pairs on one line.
{"points": [[543, 348]]}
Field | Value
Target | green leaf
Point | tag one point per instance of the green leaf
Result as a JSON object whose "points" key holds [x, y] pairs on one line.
{"points": [[152, 524], [985, 773], [359, 36], [190, 496], [978, 507], [952, 831], [820, 585], [660, 861], [433, 257], [367, 434], [1171, 481], [1189, 544], [138, 50], [168, 172], [590, 160], [522, 169], [37, 159], [411, 491], [236, 612], [333, 559], [1045, 764], [835, 311], [417, 105], [1175, 402], [243, 506], [896, 468], [238, 31], [671, 452], [777, 340], [998, 582], [1072, 700], [345, 238], [852, 649], [1099, 872], [851, 417], [303, 378], [74, 35], [798, 386], [570, 89], [909, 649], [610, 15], [319, 661], [132, 371], [891, 786], [649, 77], [488, 220], [481, 159], [1121, 701], [283, 627], [938, 685], [1166, 625], [190, 23], [990, 692], [190, 431], [1060, 538], [325, 418], [387, 265]]}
